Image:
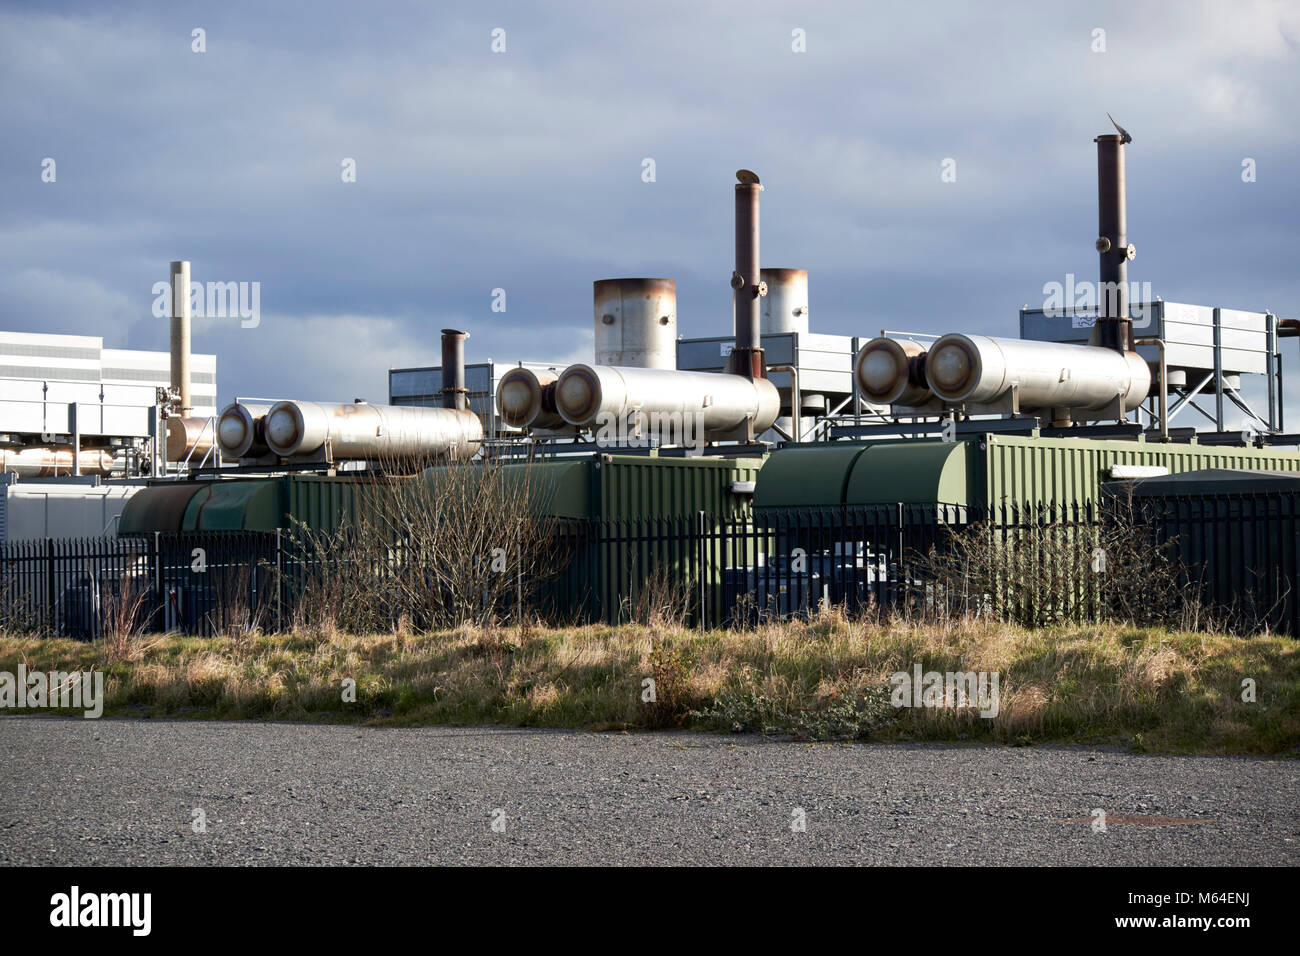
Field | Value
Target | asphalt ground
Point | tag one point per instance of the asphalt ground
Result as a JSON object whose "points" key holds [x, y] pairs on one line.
{"points": [[128, 792]]}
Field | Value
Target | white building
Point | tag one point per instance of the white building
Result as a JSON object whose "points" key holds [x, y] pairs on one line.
{"points": [[42, 374]]}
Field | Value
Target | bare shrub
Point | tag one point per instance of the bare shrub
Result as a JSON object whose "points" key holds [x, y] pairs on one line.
{"points": [[1046, 569], [460, 544], [20, 611]]}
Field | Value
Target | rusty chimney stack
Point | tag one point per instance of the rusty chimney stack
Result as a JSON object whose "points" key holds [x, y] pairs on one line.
{"points": [[1114, 328], [746, 282], [453, 391], [180, 334]]}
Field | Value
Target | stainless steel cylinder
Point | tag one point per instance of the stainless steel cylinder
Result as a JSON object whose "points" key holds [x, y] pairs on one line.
{"points": [[785, 307], [240, 431], [891, 372], [979, 369], [526, 398], [360, 431], [711, 404], [635, 322], [189, 438], [51, 462]]}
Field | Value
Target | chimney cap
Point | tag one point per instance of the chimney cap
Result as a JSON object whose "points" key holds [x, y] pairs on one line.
{"points": [[747, 177]]}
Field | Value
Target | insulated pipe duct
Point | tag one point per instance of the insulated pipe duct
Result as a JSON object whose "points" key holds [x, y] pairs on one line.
{"points": [[705, 404], [454, 393], [635, 322], [47, 462], [361, 431], [1114, 328], [240, 431], [892, 372], [785, 307], [979, 369], [526, 398], [746, 283], [180, 334]]}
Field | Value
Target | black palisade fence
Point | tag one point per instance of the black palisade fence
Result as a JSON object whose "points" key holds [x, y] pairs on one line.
{"points": [[1195, 561]]}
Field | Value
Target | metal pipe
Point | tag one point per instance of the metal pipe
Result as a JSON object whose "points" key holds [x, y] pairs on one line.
{"points": [[746, 282], [796, 399], [51, 462], [1114, 328], [980, 369], [189, 436], [892, 372], [240, 430], [1162, 384], [635, 322], [526, 398], [180, 334], [453, 391], [718, 407], [360, 431]]}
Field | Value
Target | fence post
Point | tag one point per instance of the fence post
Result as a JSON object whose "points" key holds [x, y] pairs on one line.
{"points": [[703, 551], [902, 593], [279, 610], [51, 603], [161, 605]]}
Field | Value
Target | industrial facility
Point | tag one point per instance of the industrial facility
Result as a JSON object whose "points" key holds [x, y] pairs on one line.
{"points": [[775, 419]]}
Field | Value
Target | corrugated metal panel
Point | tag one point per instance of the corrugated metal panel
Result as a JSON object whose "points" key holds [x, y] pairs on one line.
{"points": [[1067, 470], [633, 486]]}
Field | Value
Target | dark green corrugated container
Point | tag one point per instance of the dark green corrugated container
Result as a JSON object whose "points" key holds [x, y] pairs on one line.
{"points": [[982, 470], [1235, 534]]}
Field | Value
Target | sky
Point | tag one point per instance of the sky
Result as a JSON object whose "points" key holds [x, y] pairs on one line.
{"points": [[523, 169]]}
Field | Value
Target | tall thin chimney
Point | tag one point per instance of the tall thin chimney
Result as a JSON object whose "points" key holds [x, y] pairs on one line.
{"points": [[180, 334], [1114, 328], [746, 282], [453, 391]]}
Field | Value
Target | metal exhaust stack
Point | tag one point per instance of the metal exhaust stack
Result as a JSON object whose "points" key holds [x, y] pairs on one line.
{"points": [[635, 322], [1114, 328], [453, 391], [180, 334], [746, 282]]}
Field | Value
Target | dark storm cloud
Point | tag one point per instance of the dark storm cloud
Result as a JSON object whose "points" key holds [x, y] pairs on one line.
{"points": [[522, 170]]}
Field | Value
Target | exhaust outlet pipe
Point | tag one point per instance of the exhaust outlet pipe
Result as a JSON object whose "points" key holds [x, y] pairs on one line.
{"points": [[180, 334], [241, 431], [526, 398], [892, 372], [747, 282], [453, 391], [1114, 328]]}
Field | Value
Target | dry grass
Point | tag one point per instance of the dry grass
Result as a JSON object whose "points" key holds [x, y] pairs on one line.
{"points": [[1103, 683]]}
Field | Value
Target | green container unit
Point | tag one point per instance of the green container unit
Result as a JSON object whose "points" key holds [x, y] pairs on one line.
{"points": [[1237, 534], [246, 504], [622, 487], [980, 471]]}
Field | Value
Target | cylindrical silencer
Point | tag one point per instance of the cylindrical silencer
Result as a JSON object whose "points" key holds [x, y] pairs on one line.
{"points": [[892, 372], [980, 369]]}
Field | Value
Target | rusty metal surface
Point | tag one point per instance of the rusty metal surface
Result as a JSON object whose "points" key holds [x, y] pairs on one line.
{"points": [[635, 322]]}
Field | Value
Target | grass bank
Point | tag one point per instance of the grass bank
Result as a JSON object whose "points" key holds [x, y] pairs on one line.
{"points": [[828, 678]]}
